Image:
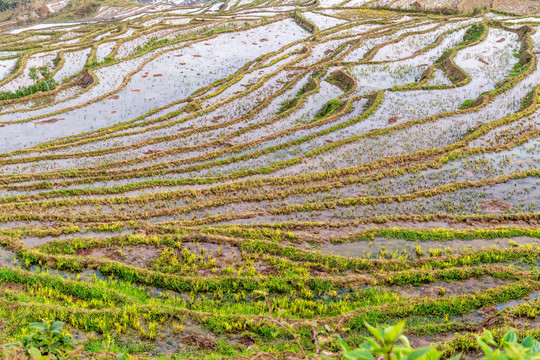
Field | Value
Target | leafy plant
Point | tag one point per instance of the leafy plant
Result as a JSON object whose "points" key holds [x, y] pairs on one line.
{"points": [[47, 84], [473, 33], [32, 73], [47, 340], [388, 342], [508, 347], [466, 104]]}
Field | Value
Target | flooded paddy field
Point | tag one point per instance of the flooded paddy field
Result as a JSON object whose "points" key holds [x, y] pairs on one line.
{"points": [[248, 180]]}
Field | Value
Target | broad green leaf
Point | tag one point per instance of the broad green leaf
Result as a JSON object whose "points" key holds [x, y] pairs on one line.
{"points": [[34, 353], [394, 332], [367, 345], [374, 331], [374, 344], [419, 354], [535, 348], [56, 327], [527, 342], [485, 347], [358, 354], [38, 325], [510, 336], [433, 355], [343, 344], [487, 337]]}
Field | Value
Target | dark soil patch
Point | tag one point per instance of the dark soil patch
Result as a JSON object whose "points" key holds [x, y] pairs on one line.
{"points": [[199, 341], [43, 11], [49, 121], [528, 323], [443, 288], [246, 340], [493, 205], [418, 341], [150, 152], [86, 79], [265, 269], [483, 61], [132, 255], [84, 252]]}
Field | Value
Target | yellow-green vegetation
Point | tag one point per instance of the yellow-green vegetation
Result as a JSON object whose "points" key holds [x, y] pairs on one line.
{"points": [[269, 180]]}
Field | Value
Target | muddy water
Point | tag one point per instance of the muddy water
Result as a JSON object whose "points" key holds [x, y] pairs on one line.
{"points": [[533, 296], [224, 59], [7, 258], [445, 289], [371, 249]]}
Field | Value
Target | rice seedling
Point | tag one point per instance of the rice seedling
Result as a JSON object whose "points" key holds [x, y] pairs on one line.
{"points": [[255, 179]]}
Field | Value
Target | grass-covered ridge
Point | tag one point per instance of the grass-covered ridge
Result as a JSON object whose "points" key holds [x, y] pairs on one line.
{"points": [[243, 180]]}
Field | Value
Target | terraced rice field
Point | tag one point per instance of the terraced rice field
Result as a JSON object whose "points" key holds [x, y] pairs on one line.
{"points": [[189, 180]]}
